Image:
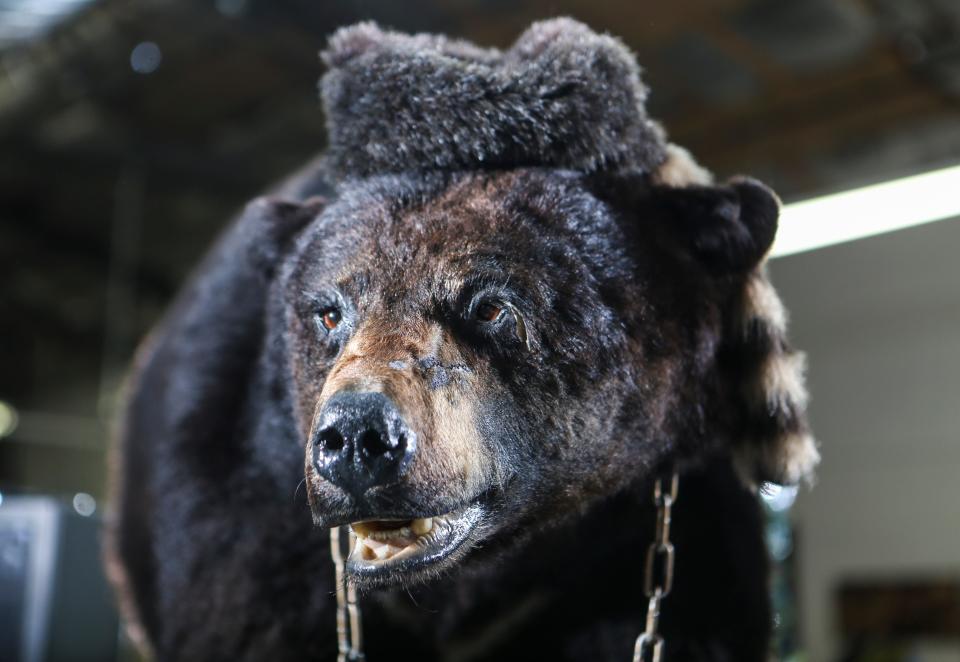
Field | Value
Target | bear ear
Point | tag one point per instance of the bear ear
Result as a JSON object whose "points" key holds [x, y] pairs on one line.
{"points": [[271, 225], [729, 228]]}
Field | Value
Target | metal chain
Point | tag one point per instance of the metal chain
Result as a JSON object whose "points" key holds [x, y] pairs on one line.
{"points": [[658, 571], [657, 584], [349, 632]]}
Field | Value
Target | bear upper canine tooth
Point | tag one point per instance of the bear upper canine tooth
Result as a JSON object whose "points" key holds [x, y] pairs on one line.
{"points": [[421, 525]]}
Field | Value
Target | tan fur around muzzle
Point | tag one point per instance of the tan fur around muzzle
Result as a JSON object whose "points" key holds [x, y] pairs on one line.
{"points": [[402, 365]]}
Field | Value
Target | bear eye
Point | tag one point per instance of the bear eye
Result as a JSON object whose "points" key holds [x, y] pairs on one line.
{"points": [[330, 318], [489, 311]]}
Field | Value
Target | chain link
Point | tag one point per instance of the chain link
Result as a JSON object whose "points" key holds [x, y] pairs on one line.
{"points": [[349, 631], [658, 571]]}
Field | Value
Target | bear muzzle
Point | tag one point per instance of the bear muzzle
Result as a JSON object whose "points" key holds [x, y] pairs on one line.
{"points": [[361, 445]]}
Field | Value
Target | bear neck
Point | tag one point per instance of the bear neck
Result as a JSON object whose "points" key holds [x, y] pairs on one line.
{"points": [[516, 602]]}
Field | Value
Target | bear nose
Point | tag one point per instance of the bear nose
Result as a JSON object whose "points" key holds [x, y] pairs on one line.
{"points": [[361, 441]]}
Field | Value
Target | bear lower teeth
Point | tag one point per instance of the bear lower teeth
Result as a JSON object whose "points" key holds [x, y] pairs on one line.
{"points": [[373, 550], [381, 540]]}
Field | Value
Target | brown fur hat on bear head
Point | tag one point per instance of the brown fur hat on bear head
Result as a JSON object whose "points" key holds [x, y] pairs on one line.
{"points": [[566, 97], [562, 96]]}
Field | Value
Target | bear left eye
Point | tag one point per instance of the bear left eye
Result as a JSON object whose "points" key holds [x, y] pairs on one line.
{"points": [[489, 311]]}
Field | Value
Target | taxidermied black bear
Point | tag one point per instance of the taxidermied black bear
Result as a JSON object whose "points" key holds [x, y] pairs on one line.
{"points": [[480, 326]]}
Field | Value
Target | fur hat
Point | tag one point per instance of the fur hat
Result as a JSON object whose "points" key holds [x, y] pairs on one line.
{"points": [[562, 96]]}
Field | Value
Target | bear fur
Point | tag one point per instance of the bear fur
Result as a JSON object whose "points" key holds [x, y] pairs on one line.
{"points": [[561, 97], [637, 331]]}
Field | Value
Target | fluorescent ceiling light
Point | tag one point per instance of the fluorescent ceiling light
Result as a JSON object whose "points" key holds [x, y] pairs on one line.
{"points": [[864, 212], [23, 20]]}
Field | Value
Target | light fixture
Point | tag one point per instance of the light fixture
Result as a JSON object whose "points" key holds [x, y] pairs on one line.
{"points": [[145, 57], [778, 497], [8, 419], [23, 20], [864, 212], [84, 504]]}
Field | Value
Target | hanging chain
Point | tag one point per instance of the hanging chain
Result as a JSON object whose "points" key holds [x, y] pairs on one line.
{"points": [[658, 571], [349, 632], [657, 583]]}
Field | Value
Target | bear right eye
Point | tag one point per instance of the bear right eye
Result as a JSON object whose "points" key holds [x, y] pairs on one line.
{"points": [[330, 319]]}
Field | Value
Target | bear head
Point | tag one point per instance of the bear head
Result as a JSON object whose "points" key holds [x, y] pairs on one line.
{"points": [[520, 300]]}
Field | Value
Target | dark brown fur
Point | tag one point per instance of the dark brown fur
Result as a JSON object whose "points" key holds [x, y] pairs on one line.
{"points": [[640, 333]]}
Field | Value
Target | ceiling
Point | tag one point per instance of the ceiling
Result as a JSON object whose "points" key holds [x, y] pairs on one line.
{"points": [[129, 132]]}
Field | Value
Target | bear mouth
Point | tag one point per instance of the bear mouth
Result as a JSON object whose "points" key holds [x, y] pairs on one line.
{"points": [[387, 551]]}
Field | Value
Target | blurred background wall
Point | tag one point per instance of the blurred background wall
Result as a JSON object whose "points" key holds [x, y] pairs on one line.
{"points": [[880, 320], [131, 131]]}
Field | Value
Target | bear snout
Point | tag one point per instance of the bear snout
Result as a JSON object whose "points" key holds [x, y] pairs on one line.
{"points": [[360, 441]]}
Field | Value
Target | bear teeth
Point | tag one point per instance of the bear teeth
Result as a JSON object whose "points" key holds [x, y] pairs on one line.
{"points": [[421, 525], [374, 550], [391, 532], [381, 540]]}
